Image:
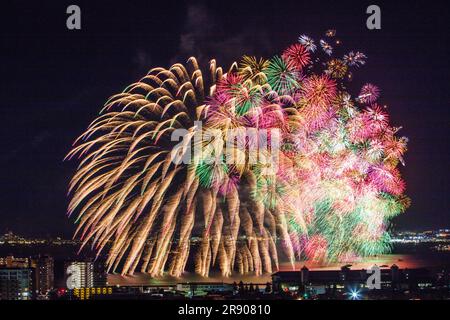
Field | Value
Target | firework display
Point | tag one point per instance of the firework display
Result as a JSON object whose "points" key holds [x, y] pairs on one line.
{"points": [[329, 196]]}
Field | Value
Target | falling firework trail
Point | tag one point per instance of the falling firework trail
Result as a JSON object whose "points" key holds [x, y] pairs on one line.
{"points": [[330, 198]]}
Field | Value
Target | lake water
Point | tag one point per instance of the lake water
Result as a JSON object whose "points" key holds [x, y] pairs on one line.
{"points": [[410, 261], [405, 257]]}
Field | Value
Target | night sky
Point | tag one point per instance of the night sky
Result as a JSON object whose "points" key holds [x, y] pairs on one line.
{"points": [[54, 82]]}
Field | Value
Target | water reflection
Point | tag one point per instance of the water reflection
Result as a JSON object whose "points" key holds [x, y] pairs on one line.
{"points": [[401, 260]]}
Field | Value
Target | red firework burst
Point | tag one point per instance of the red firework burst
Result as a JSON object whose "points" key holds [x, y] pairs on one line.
{"points": [[319, 91], [229, 84], [297, 55]]}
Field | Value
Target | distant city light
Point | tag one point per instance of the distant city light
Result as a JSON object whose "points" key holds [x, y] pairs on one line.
{"points": [[354, 295]]}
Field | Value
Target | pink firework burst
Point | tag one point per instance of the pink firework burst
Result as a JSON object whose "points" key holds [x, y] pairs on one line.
{"points": [[379, 120], [316, 248], [369, 93], [267, 115], [386, 179]]}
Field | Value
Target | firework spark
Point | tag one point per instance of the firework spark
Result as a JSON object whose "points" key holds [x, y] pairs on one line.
{"points": [[355, 59], [307, 42], [326, 47], [154, 202]]}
